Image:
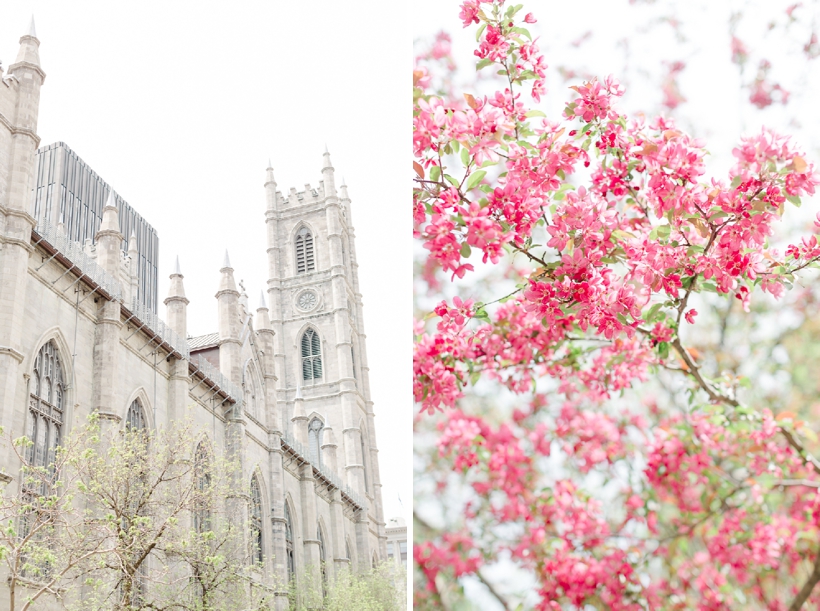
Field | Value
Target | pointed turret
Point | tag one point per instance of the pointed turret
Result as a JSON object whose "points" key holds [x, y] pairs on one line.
{"points": [[270, 187], [227, 283], [262, 316], [176, 303], [299, 419], [229, 324], [327, 175], [329, 449], [29, 48], [133, 268], [109, 239], [343, 192]]}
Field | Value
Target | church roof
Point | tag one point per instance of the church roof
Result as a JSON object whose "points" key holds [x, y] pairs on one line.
{"points": [[203, 341]]}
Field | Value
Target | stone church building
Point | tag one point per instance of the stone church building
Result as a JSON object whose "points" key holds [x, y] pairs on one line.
{"points": [[284, 377]]}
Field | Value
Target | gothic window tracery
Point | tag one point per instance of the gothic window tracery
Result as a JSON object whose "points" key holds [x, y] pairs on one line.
{"points": [[315, 429], [322, 566], [289, 542], [251, 394], [364, 457], [45, 417], [256, 521], [202, 473], [305, 259], [311, 355], [135, 420]]}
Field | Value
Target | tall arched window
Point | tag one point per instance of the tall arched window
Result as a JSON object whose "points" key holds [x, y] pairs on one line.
{"points": [[256, 521], [202, 475], [322, 566], [305, 260], [315, 441], [135, 420], [250, 392], [289, 542], [364, 457], [311, 355], [45, 417]]}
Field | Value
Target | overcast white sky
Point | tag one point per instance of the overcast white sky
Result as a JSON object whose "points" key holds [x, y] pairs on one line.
{"points": [[179, 105]]}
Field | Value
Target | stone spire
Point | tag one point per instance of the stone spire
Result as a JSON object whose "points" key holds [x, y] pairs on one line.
{"points": [[270, 187], [300, 419], [133, 266], [262, 316], [109, 239], [29, 49], [229, 324], [176, 303], [343, 191], [327, 175]]}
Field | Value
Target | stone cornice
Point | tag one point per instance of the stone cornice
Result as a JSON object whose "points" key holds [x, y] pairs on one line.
{"points": [[12, 353], [28, 65], [24, 131]]}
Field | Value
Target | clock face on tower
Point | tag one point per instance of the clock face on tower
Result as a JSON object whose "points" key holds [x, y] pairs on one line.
{"points": [[307, 300]]}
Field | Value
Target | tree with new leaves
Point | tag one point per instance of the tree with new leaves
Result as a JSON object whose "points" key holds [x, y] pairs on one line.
{"points": [[47, 540], [161, 508], [590, 427], [126, 519]]}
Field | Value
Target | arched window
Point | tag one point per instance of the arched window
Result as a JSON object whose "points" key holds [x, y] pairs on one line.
{"points": [[250, 391], [348, 555], [311, 355], [45, 417], [135, 420], [322, 566], [315, 441], [289, 542], [364, 457], [202, 479], [256, 521], [305, 260]]}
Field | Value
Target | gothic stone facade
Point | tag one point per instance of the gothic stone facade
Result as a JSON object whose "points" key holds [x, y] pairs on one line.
{"points": [[285, 386]]}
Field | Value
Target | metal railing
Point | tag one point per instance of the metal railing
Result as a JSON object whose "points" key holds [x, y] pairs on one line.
{"points": [[158, 326], [73, 251], [297, 447], [211, 372]]}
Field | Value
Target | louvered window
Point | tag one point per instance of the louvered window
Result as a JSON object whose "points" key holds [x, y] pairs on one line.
{"points": [[256, 521], [305, 259], [315, 441], [311, 355]]}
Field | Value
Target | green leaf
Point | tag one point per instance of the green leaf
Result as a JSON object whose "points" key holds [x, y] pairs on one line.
{"points": [[475, 178], [483, 64], [664, 231], [466, 251], [653, 312], [663, 349], [435, 173], [535, 113], [451, 180], [480, 31], [465, 157], [794, 199], [736, 182]]}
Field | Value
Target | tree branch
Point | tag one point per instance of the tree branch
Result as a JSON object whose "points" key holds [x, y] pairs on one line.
{"points": [[807, 588]]}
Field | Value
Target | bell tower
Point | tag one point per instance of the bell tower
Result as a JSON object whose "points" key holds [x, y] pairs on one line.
{"points": [[316, 312]]}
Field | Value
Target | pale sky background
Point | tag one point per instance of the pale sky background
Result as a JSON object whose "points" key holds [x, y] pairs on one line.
{"points": [[179, 105]]}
